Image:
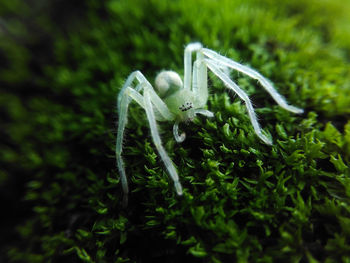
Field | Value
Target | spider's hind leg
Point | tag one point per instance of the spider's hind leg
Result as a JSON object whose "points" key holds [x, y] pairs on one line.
{"points": [[217, 59], [233, 86]]}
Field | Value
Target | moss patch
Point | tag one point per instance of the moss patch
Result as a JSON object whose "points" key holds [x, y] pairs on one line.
{"points": [[62, 67]]}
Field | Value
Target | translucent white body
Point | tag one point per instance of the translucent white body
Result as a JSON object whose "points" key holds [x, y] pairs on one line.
{"points": [[177, 101]]}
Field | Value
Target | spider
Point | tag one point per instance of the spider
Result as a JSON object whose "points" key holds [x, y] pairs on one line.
{"points": [[173, 100]]}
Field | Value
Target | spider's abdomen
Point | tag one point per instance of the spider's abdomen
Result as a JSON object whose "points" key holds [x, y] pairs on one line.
{"points": [[167, 83]]}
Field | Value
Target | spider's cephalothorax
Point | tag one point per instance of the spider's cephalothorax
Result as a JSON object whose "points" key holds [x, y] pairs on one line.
{"points": [[179, 101]]}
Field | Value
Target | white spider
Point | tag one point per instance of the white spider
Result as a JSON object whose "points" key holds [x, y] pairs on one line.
{"points": [[178, 102]]}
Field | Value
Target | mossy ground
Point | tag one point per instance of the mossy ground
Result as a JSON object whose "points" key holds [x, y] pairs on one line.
{"points": [[62, 65]]}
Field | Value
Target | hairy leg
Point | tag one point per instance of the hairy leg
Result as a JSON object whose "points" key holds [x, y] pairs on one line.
{"points": [[123, 103], [231, 85], [253, 74], [200, 75], [158, 143], [188, 62], [124, 98]]}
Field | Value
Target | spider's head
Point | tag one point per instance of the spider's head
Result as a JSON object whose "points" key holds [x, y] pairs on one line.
{"points": [[187, 112], [180, 101], [181, 104]]}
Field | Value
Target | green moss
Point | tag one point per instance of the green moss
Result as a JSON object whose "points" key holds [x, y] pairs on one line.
{"points": [[243, 201]]}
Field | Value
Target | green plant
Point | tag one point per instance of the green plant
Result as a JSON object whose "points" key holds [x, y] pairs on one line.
{"points": [[244, 201]]}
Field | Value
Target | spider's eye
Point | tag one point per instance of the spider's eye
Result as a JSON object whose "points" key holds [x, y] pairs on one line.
{"points": [[186, 106]]}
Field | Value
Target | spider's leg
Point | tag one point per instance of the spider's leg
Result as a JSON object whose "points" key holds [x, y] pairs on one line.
{"points": [[126, 85], [200, 81], [188, 62], [123, 103], [231, 85], [156, 100], [158, 143], [178, 138], [221, 60], [124, 98], [204, 112]]}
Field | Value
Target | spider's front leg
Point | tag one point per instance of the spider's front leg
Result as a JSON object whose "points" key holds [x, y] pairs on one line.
{"points": [[158, 143], [147, 101]]}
